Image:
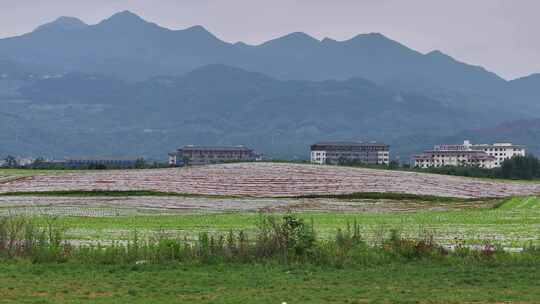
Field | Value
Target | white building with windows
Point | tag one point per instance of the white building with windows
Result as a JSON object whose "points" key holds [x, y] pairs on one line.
{"points": [[481, 155], [501, 151]]}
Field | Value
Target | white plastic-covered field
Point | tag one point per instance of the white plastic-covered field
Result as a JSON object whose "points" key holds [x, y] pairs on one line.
{"points": [[271, 180], [152, 205]]}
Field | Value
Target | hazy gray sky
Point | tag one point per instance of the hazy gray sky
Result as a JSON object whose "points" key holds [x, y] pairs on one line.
{"points": [[501, 35]]}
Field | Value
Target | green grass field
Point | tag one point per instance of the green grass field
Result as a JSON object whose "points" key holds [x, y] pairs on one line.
{"points": [[514, 222], [415, 282]]}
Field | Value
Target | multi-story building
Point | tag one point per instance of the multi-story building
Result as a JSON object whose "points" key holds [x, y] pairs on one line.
{"points": [[204, 155], [442, 158], [334, 153], [501, 151], [467, 154]]}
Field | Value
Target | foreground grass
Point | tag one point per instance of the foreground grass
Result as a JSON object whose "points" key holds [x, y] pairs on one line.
{"points": [[415, 282]]}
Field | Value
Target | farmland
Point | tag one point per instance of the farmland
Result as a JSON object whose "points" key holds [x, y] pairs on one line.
{"points": [[232, 196], [270, 180], [511, 222], [453, 280], [114, 207]]}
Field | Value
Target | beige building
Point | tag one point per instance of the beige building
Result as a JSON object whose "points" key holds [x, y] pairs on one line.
{"points": [[467, 154]]}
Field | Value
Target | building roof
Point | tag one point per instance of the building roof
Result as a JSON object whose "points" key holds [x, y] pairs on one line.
{"points": [[349, 143], [99, 158], [468, 146], [215, 148], [498, 145], [454, 152]]}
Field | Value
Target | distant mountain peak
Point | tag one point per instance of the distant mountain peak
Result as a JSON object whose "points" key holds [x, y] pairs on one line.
{"points": [[374, 34], [439, 54], [62, 23], [125, 18], [294, 39], [199, 35], [199, 30], [300, 35], [126, 15], [372, 38], [377, 41]]}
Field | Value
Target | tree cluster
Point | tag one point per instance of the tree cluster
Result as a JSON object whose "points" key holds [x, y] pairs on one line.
{"points": [[520, 167]]}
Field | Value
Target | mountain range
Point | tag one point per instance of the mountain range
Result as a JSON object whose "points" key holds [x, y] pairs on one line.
{"points": [[128, 86]]}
